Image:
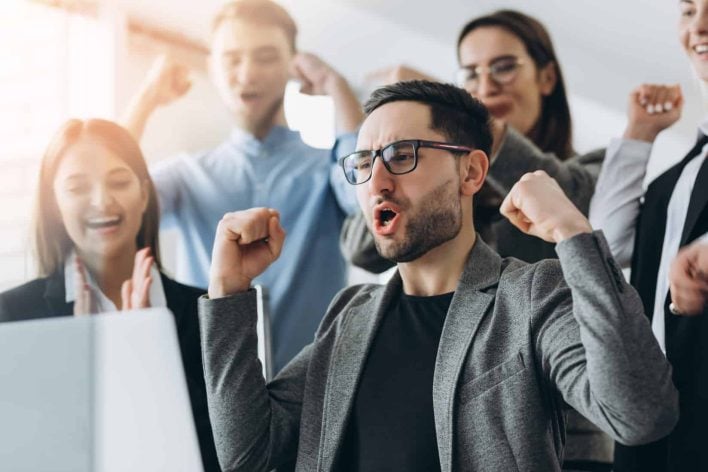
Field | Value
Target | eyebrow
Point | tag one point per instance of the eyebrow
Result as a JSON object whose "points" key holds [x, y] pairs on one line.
{"points": [[261, 49], [80, 175], [493, 60]]}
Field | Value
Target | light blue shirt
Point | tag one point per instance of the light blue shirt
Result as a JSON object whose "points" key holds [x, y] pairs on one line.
{"points": [[308, 189]]}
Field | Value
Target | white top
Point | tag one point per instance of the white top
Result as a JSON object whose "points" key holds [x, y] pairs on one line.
{"points": [[100, 302], [615, 207]]}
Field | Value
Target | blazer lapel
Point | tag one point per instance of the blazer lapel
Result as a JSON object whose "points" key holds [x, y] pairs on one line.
{"points": [[55, 296], [698, 202], [469, 306], [349, 356]]}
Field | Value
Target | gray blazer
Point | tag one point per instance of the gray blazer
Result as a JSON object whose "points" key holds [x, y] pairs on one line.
{"points": [[517, 155], [518, 341]]}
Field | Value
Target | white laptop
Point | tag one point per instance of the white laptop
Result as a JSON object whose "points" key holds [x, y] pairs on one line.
{"points": [[104, 393]]}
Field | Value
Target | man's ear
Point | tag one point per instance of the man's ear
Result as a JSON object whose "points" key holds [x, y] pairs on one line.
{"points": [[548, 78], [473, 171]]}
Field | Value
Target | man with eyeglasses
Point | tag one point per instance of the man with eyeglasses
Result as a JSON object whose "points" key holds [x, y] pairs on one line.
{"points": [[464, 360]]}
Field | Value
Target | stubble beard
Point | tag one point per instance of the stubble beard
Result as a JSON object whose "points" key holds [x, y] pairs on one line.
{"points": [[260, 125], [437, 221]]}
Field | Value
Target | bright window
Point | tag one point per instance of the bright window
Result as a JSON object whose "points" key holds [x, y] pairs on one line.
{"points": [[45, 79]]}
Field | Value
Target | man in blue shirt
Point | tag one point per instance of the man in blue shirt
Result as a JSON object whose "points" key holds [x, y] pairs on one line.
{"points": [[261, 163]]}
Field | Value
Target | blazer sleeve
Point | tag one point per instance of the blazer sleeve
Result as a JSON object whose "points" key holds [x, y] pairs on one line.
{"points": [[596, 347], [255, 425]]}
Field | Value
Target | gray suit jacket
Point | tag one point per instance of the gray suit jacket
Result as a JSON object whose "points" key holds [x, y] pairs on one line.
{"points": [[518, 341], [517, 155]]}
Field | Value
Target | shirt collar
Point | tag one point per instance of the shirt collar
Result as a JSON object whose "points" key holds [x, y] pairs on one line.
{"points": [[703, 127], [244, 140], [102, 303]]}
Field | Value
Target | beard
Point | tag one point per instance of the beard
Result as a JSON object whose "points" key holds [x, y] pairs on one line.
{"points": [[260, 124], [436, 221]]}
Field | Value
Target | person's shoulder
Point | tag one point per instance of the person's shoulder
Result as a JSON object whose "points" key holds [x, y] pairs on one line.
{"points": [[295, 143], [24, 301], [592, 160], [178, 293], [532, 278], [597, 154], [347, 299], [184, 163]]}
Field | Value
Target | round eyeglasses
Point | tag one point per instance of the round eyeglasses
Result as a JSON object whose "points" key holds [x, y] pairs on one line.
{"points": [[400, 157], [502, 70]]}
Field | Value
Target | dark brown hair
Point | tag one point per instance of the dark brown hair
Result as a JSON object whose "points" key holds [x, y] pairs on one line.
{"points": [[454, 112], [553, 130], [261, 12], [52, 242]]}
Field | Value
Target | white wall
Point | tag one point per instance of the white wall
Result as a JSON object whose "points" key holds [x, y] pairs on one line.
{"points": [[356, 41]]}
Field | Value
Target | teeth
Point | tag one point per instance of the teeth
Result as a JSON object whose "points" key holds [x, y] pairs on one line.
{"points": [[701, 48], [103, 220]]}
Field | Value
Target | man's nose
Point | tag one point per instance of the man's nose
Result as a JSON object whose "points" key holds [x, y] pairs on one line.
{"points": [[382, 181], [247, 71]]}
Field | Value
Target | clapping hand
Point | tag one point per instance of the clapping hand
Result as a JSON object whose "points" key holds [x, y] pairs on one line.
{"points": [[135, 292]]}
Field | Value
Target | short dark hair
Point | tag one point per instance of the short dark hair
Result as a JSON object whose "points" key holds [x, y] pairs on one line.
{"points": [[454, 112], [260, 12], [553, 132]]}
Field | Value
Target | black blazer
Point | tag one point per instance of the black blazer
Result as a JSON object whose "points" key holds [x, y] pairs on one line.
{"points": [[45, 298], [686, 448]]}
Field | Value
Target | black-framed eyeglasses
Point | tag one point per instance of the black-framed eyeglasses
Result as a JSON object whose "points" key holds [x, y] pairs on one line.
{"points": [[400, 157], [503, 70]]}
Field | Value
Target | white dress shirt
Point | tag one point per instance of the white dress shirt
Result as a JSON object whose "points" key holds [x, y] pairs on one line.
{"points": [[100, 302], [615, 208]]}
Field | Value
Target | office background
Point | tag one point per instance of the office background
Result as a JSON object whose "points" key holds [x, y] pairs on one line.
{"points": [[64, 58]]}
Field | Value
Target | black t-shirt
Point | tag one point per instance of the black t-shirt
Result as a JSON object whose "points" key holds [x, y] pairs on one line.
{"points": [[391, 427]]}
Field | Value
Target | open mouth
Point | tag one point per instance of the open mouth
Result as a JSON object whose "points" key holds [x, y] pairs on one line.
{"points": [[499, 108], [701, 48], [386, 219], [103, 222], [249, 96], [386, 216]]}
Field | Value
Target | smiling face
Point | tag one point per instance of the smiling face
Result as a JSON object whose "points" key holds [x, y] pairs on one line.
{"points": [[411, 214], [100, 199], [250, 67], [693, 34], [519, 101]]}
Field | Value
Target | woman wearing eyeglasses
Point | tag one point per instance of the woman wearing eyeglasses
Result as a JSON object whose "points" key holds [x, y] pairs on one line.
{"points": [[508, 62], [96, 237]]}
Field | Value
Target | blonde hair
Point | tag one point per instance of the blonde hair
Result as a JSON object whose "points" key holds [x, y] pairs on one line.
{"points": [[262, 12]]}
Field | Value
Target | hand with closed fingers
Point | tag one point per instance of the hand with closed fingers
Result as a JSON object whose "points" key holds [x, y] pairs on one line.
{"points": [[652, 108], [688, 280], [246, 243], [537, 205]]}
